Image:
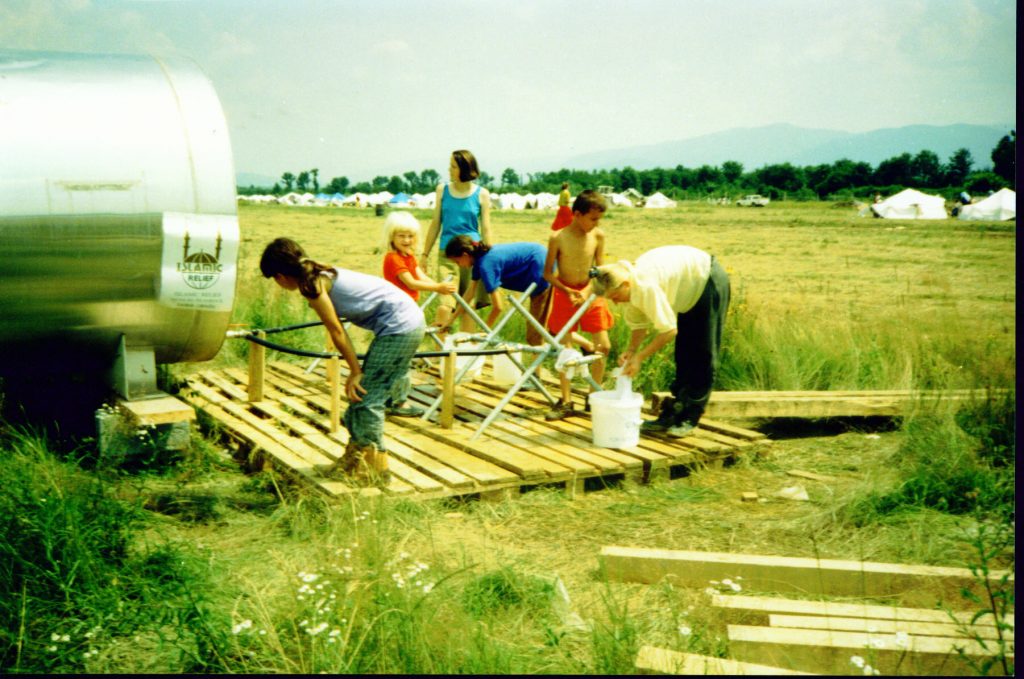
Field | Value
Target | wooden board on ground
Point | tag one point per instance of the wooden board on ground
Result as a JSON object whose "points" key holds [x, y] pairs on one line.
{"points": [[653, 660], [908, 584], [831, 652], [290, 425], [823, 404], [949, 630], [164, 409], [756, 610]]}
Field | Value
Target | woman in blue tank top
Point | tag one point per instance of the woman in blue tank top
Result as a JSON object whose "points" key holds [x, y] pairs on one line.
{"points": [[462, 208]]}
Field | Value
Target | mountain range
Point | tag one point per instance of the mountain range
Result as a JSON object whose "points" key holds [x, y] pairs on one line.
{"points": [[755, 147]]}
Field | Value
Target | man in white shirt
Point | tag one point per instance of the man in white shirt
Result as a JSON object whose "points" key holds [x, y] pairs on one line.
{"points": [[676, 292]]}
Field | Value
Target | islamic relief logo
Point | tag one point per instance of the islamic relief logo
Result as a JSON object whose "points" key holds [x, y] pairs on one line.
{"points": [[201, 270]]}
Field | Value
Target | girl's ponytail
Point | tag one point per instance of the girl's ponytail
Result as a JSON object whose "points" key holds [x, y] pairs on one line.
{"points": [[464, 245]]}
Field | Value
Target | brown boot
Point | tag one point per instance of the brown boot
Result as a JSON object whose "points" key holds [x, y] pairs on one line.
{"points": [[350, 460], [373, 469], [377, 467]]}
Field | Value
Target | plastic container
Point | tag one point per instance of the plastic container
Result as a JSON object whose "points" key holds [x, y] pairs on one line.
{"points": [[615, 415], [454, 341], [505, 371]]}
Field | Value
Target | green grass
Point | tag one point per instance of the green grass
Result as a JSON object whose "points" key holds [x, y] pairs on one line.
{"points": [[182, 564], [76, 577]]}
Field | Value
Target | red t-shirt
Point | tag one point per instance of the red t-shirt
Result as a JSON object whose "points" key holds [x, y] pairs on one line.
{"points": [[394, 264]]}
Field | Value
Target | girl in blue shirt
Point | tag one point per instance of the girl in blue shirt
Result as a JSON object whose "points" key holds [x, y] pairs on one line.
{"points": [[513, 266]]}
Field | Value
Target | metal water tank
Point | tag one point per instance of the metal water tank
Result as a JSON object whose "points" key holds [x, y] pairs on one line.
{"points": [[118, 219]]}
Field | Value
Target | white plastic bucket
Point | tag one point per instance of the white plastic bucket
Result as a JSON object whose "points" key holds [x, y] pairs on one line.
{"points": [[505, 371], [615, 418], [462, 361]]}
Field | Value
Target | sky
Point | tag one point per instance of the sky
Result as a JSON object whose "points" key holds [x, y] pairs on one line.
{"points": [[361, 88]]}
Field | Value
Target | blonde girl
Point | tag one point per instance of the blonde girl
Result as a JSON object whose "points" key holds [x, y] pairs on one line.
{"points": [[401, 237]]}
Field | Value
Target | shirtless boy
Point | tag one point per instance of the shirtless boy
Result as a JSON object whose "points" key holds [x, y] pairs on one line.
{"points": [[571, 253]]}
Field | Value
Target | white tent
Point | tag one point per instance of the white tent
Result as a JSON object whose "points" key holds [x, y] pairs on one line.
{"points": [[911, 204], [509, 201], [358, 199], [659, 200], [546, 201], [619, 199], [1000, 206], [423, 200]]}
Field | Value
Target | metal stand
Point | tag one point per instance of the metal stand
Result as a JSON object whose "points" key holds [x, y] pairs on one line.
{"points": [[554, 346], [490, 339]]}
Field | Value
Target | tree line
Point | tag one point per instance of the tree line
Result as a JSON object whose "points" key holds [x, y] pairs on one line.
{"points": [[842, 179]]}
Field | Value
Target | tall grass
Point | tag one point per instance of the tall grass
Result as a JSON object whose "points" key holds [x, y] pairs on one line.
{"points": [[76, 586], [768, 349], [956, 462]]}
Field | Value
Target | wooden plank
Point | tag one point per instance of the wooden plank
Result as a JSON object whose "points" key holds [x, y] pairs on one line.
{"points": [[830, 403], [450, 477], [267, 429], [267, 406], [164, 409], [299, 386], [910, 584], [495, 451], [550, 452], [257, 367], [756, 610], [801, 474], [447, 414], [311, 447], [284, 459], [568, 428], [652, 660], [513, 409], [481, 471], [830, 652], [703, 441], [334, 393], [540, 444], [284, 393], [870, 625], [408, 474], [733, 431]]}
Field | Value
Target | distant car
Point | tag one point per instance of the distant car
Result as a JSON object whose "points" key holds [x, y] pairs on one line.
{"points": [[753, 200]]}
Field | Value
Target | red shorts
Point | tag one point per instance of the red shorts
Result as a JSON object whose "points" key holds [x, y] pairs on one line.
{"points": [[563, 218], [597, 318]]}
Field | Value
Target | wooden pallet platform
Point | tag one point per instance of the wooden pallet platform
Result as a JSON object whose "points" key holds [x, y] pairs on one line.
{"points": [[519, 450], [824, 404]]}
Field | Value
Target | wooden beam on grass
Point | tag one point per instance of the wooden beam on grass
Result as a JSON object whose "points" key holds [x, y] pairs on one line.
{"points": [[909, 584], [816, 404], [652, 660], [830, 652], [757, 610], [949, 629]]}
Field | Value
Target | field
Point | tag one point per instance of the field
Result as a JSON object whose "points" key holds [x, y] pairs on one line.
{"points": [[268, 578]]}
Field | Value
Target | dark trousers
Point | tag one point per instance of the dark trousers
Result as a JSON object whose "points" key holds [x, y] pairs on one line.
{"points": [[698, 344]]}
